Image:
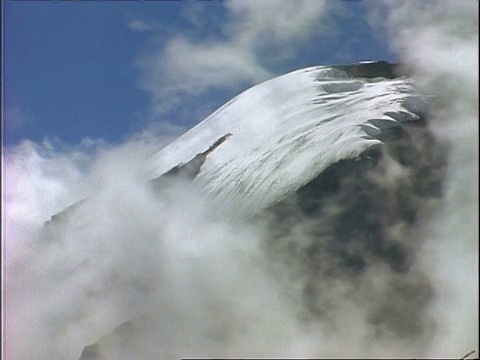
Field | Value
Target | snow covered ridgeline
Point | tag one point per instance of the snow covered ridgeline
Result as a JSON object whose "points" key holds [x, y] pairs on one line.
{"points": [[286, 131]]}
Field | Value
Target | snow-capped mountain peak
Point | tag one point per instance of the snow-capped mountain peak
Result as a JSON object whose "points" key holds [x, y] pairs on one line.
{"points": [[287, 130]]}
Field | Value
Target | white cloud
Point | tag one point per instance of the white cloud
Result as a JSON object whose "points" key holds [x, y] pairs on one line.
{"points": [[142, 26], [39, 181], [186, 68], [190, 67], [69, 285], [283, 21], [438, 41]]}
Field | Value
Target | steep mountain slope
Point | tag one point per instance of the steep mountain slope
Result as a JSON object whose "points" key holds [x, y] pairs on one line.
{"points": [[339, 169]]}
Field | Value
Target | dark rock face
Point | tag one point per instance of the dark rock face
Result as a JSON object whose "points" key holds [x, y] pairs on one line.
{"points": [[364, 214], [94, 351], [64, 214], [189, 170], [371, 70]]}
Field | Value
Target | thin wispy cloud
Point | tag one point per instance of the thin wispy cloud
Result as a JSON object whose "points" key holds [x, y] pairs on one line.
{"points": [[257, 23], [185, 66], [142, 26]]}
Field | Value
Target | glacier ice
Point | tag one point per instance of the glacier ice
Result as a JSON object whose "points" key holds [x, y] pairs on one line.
{"points": [[286, 131]]}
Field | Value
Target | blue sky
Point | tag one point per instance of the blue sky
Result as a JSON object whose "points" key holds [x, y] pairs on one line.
{"points": [[108, 69]]}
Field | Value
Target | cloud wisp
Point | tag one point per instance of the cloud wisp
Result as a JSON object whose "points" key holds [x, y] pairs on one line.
{"points": [[142, 26], [184, 66], [438, 42]]}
